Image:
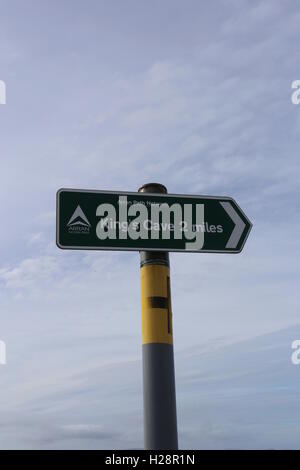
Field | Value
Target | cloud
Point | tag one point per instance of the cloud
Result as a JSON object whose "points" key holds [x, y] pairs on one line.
{"points": [[87, 431], [258, 15], [230, 394], [29, 271]]}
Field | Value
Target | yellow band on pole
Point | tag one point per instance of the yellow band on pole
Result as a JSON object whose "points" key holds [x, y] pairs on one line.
{"points": [[156, 304]]}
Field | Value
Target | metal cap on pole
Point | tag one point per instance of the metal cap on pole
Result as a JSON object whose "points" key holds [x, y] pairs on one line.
{"points": [[160, 420]]}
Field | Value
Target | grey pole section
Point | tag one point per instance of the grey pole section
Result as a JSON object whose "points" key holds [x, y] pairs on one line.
{"points": [[160, 420]]}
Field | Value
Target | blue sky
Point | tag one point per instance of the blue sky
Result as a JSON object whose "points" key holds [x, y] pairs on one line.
{"points": [[111, 95]]}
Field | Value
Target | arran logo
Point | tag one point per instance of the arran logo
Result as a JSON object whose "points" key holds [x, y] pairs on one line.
{"points": [[79, 223]]}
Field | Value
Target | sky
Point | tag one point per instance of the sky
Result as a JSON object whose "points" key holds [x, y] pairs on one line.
{"points": [[112, 95]]}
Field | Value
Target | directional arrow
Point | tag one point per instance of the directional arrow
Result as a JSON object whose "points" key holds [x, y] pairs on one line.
{"points": [[239, 225]]}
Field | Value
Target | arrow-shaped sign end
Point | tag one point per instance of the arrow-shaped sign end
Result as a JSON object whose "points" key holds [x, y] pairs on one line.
{"points": [[239, 228]]}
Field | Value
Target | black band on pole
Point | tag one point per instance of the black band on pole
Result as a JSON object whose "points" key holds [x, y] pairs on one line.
{"points": [[154, 257]]}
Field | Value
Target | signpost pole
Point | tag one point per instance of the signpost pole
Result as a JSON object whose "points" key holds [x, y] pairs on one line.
{"points": [[160, 421]]}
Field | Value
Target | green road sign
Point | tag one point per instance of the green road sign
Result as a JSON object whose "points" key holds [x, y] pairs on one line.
{"points": [[106, 220]]}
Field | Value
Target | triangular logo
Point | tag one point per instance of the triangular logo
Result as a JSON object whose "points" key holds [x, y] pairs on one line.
{"points": [[78, 218]]}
